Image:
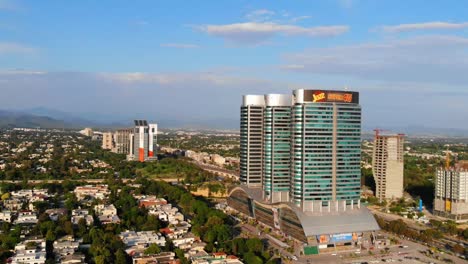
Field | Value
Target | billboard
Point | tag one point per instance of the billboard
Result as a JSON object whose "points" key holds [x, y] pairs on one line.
{"points": [[323, 96], [341, 238], [323, 239]]}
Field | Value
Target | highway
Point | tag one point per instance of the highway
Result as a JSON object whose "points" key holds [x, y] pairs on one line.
{"points": [[217, 170], [91, 181]]}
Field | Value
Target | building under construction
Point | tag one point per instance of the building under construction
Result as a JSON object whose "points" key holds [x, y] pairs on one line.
{"points": [[451, 192], [387, 165]]}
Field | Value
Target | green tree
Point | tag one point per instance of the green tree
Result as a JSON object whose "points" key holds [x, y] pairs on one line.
{"points": [[120, 257], [152, 249], [68, 228], [180, 255], [254, 245], [251, 258], [50, 236], [5, 196], [82, 228], [100, 260]]}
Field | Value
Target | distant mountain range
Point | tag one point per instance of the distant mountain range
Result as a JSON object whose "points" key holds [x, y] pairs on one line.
{"points": [[19, 119], [50, 118]]}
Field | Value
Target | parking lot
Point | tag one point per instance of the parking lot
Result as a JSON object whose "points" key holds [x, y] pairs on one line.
{"points": [[405, 252]]}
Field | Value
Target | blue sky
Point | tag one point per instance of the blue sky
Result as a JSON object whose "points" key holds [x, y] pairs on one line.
{"points": [[192, 60]]}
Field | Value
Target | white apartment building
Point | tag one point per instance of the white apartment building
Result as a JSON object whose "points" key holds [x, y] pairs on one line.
{"points": [[30, 252], [93, 191], [145, 238], [26, 217], [451, 192], [79, 214]]}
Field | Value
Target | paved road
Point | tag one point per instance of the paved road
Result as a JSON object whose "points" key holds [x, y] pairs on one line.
{"points": [[93, 181], [217, 170], [254, 232], [393, 217], [414, 225]]}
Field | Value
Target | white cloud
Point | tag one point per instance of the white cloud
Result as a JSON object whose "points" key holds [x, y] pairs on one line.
{"points": [[7, 5], [425, 59], [260, 15], [253, 33], [179, 78], [10, 47], [21, 72], [436, 25], [179, 45], [299, 18]]}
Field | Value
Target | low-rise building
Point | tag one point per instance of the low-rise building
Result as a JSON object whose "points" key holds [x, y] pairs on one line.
{"points": [[107, 214], [162, 258], [202, 257], [28, 194], [65, 246], [75, 258], [32, 251], [5, 216], [167, 213], [218, 159], [146, 238], [26, 217], [92, 191], [184, 242], [87, 132], [56, 213], [13, 204], [79, 214], [150, 201]]}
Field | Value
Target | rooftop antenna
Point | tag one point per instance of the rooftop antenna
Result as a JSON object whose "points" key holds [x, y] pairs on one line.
{"points": [[346, 88]]}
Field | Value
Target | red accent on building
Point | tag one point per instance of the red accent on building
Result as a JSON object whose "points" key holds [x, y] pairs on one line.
{"points": [[166, 231], [151, 202], [150, 153], [141, 154]]}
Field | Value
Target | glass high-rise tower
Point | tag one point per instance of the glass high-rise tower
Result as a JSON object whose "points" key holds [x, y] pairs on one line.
{"points": [[301, 168], [310, 145], [277, 148], [251, 140], [326, 150]]}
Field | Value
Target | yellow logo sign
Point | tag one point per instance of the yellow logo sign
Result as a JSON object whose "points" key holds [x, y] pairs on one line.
{"points": [[319, 97]]}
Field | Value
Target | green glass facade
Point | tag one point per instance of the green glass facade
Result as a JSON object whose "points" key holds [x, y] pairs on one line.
{"points": [[348, 152], [326, 153], [304, 149], [277, 153]]}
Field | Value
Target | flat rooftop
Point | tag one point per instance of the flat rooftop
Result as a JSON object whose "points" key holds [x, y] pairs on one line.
{"points": [[319, 223]]}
